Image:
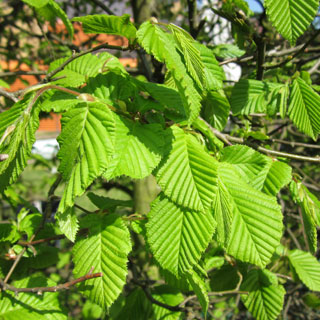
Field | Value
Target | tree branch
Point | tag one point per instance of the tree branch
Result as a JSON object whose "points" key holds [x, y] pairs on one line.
{"points": [[103, 6], [8, 95], [22, 73], [40, 290]]}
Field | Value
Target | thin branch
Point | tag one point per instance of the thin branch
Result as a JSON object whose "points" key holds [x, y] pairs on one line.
{"points": [[8, 95], [283, 276], [22, 73], [192, 14], [294, 144], [40, 290], [103, 6], [80, 54]]}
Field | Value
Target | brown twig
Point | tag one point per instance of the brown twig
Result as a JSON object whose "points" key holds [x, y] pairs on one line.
{"points": [[21, 73], [40, 290], [8, 95], [103, 6]]}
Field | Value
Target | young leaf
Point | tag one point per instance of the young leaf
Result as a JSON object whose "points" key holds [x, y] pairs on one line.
{"points": [[176, 236], [17, 135], [216, 109], [161, 45], [187, 174], [266, 296], [138, 149], [304, 108], [68, 223], [77, 71], [105, 203], [291, 17], [86, 145], [250, 164], [227, 51], [36, 3], [279, 175], [199, 287], [169, 296], [257, 220], [30, 305], [307, 268], [190, 53], [106, 249], [108, 24]]}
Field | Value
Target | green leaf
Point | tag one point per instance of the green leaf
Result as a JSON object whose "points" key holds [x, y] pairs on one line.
{"points": [[86, 145], [187, 174], [307, 268], [36, 3], [8, 232], [17, 135], [104, 203], [176, 236], [77, 71], [225, 278], [250, 164], [106, 249], [216, 110], [228, 51], [279, 175], [266, 296], [68, 223], [199, 287], [257, 220], [190, 53], [161, 45], [213, 73], [169, 296], [31, 306], [304, 108], [58, 101], [138, 149], [108, 24], [310, 208], [4, 84], [291, 17], [251, 96]]}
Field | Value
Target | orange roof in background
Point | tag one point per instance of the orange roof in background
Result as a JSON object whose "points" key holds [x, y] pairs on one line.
{"points": [[52, 124]]}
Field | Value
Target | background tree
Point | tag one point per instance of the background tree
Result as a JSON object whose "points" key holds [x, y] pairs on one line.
{"points": [[224, 156]]}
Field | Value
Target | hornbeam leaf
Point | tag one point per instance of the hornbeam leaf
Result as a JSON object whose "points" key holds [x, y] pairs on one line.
{"points": [[17, 135], [138, 149], [304, 108], [161, 45], [187, 174], [177, 236], [86, 145], [307, 268], [291, 17], [257, 220], [102, 23], [68, 223], [30, 306], [266, 296], [106, 249]]}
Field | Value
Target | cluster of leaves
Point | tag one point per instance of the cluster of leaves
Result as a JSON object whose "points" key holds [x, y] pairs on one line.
{"points": [[218, 206]]}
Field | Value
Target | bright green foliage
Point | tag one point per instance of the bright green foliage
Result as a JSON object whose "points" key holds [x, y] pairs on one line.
{"points": [[78, 71], [253, 96], [265, 298], [187, 174], [279, 175], [17, 135], [256, 228], [177, 236], [199, 287], [138, 149], [36, 3], [310, 208], [304, 108], [106, 249], [227, 51], [291, 17], [169, 296], [307, 268], [161, 45], [86, 142], [68, 223], [216, 109], [12, 307], [100, 23]]}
